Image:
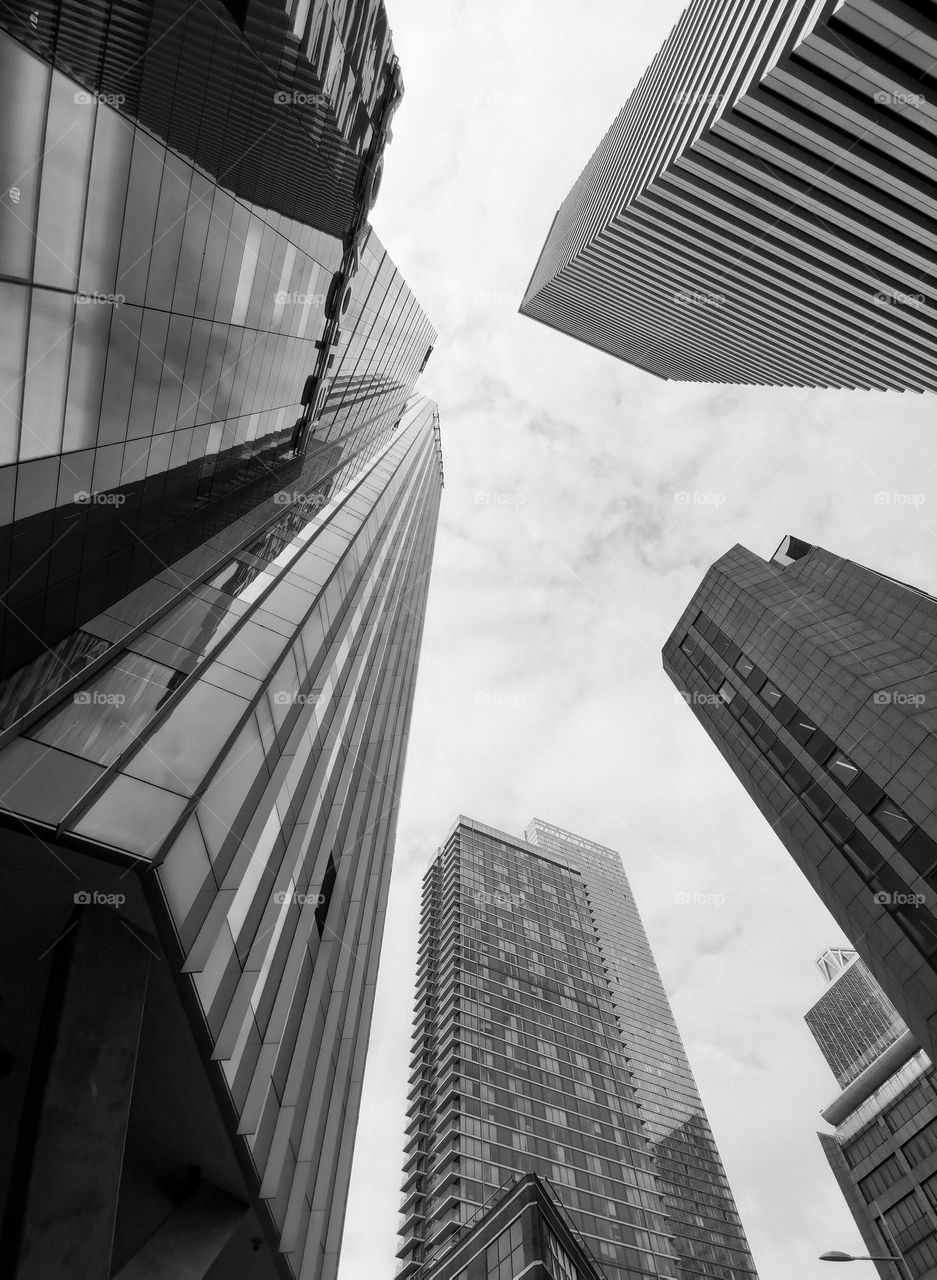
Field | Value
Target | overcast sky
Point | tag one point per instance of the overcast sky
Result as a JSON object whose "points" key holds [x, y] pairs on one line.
{"points": [[563, 562]]}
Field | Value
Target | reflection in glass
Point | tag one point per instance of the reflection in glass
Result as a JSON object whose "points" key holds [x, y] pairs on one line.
{"points": [[892, 820], [24, 83], [66, 155], [14, 299], [35, 681], [47, 352], [103, 719]]}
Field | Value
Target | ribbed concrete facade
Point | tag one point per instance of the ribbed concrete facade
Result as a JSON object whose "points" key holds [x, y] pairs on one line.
{"points": [[544, 1043], [853, 1022], [883, 1152], [764, 208], [815, 679]]}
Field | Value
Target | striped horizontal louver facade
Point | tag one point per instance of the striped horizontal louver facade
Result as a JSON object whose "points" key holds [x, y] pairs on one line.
{"points": [[764, 209]]}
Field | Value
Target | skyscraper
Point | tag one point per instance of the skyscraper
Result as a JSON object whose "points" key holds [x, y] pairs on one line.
{"points": [[764, 207], [544, 1043], [220, 501], [883, 1152], [814, 677]]}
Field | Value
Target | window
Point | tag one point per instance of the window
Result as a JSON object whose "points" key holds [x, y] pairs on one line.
{"points": [[892, 820], [744, 667], [919, 1148], [819, 746], [842, 769], [816, 801], [913, 1102], [908, 1222], [921, 851], [689, 647], [869, 1141], [770, 694], [881, 1178], [325, 897], [863, 854], [726, 692], [802, 729]]}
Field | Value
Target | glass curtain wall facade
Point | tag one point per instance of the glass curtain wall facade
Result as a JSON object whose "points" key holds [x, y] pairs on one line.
{"points": [[519, 1064], [183, 244], [764, 207], [707, 1232], [218, 504], [814, 678], [883, 1150]]}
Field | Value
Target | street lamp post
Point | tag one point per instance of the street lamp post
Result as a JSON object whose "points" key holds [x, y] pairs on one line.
{"points": [[836, 1256]]}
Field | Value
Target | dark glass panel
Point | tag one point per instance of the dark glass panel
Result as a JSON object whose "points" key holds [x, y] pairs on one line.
{"points": [[101, 720], [892, 820]]}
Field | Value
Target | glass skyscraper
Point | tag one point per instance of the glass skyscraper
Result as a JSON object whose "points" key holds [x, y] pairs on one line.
{"points": [[883, 1151], [764, 207], [545, 1044], [814, 678], [219, 499]]}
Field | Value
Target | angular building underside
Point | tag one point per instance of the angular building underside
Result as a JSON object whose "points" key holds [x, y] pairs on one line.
{"points": [[815, 679], [210, 630], [764, 208]]}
